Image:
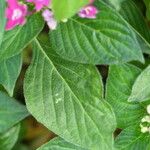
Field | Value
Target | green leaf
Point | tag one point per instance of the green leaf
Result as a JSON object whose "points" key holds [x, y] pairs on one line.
{"points": [[11, 112], [135, 18], [69, 97], [16, 40], [118, 89], [115, 3], [147, 3], [141, 88], [105, 40], [67, 8], [59, 144], [9, 138], [2, 19], [9, 72], [132, 139]]}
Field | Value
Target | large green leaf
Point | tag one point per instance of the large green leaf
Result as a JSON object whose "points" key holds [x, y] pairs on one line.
{"points": [[59, 144], [69, 97], [135, 18], [132, 139], [9, 138], [104, 40], [15, 40], [11, 112], [119, 85], [9, 71], [141, 88], [67, 8], [2, 19]]}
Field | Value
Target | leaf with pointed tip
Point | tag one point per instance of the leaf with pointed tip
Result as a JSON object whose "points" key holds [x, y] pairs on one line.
{"points": [[9, 138], [16, 40], [9, 72], [141, 88], [70, 99], [2, 19], [131, 13], [118, 89], [11, 112], [108, 39], [59, 144], [67, 8]]}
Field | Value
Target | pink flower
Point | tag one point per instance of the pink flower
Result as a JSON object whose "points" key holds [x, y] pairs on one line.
{"points": [[39, 4], [49, 18], [88, 12], [15, 14]]}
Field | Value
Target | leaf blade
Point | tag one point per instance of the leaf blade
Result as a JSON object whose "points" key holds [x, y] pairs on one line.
{"points": [[16, 40], [97, 41], [11, 112], [137, 140], [59, 144], [68, 100], [9, 138], [9, 72], [140, 90], [118, 89]]}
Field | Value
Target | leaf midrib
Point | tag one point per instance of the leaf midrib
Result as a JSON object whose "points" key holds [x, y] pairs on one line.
{"points": [[128, 24], [70, 90]]}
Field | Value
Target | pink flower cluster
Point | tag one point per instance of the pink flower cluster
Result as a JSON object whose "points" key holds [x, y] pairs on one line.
{"points": [[16, 12], [88, 11]]}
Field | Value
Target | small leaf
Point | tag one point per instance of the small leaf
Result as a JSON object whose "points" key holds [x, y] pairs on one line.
{"points": [[108, 39], [59, 144], [147, 3], [67, 8], [141, 88], [9, 71], [119, 86], [2, 19], [69, 97], [132, 139], [11, 112], [16, 40], [9, 138]]}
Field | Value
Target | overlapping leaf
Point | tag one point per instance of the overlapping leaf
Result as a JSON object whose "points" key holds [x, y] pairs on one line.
{"points": [[129, 115], [15, 40], [141, 88], [119, 85], [11, 112], [9, 138], [135, 18], [104, 40], [69, 97], [9, 71], [59, 144], [132, 139]]}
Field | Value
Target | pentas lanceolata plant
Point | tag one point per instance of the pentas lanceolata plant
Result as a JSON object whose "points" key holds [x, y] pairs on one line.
{"points": [[17, 12], [81, 68]]}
